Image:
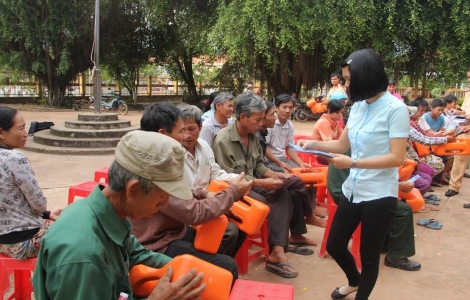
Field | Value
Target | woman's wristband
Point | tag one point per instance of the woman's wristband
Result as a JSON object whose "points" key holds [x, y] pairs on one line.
{"points": [[46, 215]]}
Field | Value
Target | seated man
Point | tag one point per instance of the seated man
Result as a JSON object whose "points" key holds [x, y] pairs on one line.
{"points": [[303, 204], [222, 117], [280, 136], [167, 230], [237, 150], [400, 242], [88, 251], [200, 169]]}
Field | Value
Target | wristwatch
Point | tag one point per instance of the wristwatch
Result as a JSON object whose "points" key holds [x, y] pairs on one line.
{"points": [[353, 165]]}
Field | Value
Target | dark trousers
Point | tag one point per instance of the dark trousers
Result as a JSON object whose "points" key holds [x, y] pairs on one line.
{"points": [[400, 241], [185, 246], [280, 212], [301, 198], [375, 217]]}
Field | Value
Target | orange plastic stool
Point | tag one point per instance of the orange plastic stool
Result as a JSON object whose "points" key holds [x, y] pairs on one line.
{"points": [[461, 146], [356, 237], [209, 235], [251, 290], [244, 255], [102, 174], [81, 190], [22, 271], [218, 280], [413, 199]]}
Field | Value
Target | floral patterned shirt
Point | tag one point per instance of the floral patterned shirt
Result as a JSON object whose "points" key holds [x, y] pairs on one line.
{"points": [[21, 199]]}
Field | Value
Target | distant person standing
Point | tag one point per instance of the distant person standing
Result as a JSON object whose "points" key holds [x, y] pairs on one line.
{"points": [[336, 86], [392, 90], [249, 88]]}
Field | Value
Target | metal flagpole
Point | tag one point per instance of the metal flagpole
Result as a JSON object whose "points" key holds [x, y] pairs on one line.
{"points": [[96, 45]]}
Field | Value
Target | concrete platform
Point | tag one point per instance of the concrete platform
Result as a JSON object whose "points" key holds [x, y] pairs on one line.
{"points": [[442, 253]]}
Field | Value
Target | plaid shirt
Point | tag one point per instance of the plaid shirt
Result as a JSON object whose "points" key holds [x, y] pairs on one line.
{"points": [[415, 125], [418, 136]]}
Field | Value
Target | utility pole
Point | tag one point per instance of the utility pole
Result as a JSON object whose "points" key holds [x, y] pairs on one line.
{"points": [[96, 45]]}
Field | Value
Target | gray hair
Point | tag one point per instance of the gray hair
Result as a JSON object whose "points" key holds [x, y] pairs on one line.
{"points": [[190, 112], [248, 104], [222, 98], [118, 178]]}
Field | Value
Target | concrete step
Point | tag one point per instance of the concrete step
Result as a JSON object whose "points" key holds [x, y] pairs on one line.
{"points": [[76, 124], [104, 117], [46, 138], [62, 131], [35, 147]]}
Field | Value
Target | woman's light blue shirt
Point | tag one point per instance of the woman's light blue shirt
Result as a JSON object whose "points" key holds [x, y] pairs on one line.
{"points": [[370, 128]]}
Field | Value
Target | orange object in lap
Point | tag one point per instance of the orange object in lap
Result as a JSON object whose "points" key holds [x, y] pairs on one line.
{"points": [[219, 281], [251, 212], [316, 175], [413, 199], [461, 146], [209, 235], [406, 169]]}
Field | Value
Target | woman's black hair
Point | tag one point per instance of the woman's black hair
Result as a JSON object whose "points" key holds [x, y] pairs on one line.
{"points": [[7, 116], [334, 106], [368, 77]]}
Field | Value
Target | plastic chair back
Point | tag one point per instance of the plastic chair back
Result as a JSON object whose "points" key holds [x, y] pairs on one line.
{"points": [[218, 280]]}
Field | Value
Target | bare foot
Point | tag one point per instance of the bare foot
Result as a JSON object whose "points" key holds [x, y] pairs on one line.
{"points": [[301, 240], [315, 221]]}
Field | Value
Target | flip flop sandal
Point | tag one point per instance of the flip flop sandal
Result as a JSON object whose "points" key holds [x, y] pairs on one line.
{"points": [[436, 184], [466, 205], [301, 250], [432, 197], [466, 175], [431, 224], [301, 244], [279, 270], [432, 202]]}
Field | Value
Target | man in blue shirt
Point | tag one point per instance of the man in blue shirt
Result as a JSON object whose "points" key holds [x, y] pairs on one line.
{"points": [[434, 118]]}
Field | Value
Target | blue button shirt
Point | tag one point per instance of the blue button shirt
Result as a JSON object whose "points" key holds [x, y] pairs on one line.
{"points": [[370, 128]]}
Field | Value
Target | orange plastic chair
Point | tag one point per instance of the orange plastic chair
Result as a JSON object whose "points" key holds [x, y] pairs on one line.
{"points": [[315, 107], [406, 169], [209, 235], [22, 271], [356, 237], [461, 146], [251, 212], [413, 199], [218, 280]]}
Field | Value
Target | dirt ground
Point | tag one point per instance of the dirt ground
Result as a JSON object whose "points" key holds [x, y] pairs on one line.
{"points": [[442, 253]]}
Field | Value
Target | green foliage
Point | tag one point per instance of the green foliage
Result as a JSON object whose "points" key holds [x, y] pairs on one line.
{"points": [[50, 39]]}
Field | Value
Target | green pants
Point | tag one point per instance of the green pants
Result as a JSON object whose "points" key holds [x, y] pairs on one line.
{"points": [[400, 240]]}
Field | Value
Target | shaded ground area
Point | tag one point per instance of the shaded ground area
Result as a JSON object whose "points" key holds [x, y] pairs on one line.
{"points": [[442, 253]]}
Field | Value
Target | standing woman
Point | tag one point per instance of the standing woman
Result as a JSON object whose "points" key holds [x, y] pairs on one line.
{"points": [[23, 216], [377, 133]]}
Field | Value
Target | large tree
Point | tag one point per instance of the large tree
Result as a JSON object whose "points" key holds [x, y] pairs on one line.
{"points": [[292, 43], [50, 39], [186, 24]]}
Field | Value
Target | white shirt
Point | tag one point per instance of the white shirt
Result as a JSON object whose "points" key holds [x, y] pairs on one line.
{"points": [[423, 124], [370, 128], [201, 169], [279, 138], [210, 128]]}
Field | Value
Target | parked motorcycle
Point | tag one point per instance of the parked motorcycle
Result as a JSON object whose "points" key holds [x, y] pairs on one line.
{"points": [[115, 103], [309, 111]]}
